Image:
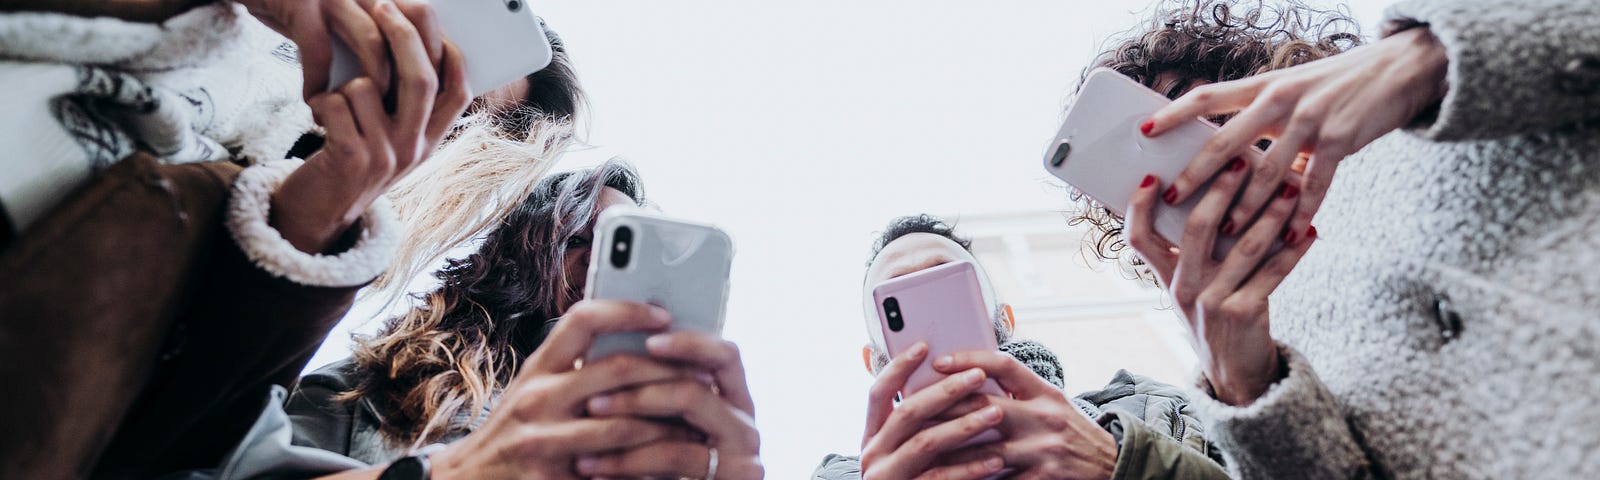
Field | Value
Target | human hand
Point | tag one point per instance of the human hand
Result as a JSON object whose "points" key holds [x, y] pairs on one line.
{"points": [[1224, 303], [905, 442], [309, 24], [368, 147], [720, 407], [539, 429], [1328, 108], [1045, 435]]}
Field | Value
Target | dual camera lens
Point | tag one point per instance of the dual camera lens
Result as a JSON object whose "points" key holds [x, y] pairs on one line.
{"points": [[891, 311], [621, 247]]}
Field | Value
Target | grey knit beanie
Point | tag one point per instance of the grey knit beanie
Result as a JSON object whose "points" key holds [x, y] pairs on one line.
{"points": [[1037, 357]]}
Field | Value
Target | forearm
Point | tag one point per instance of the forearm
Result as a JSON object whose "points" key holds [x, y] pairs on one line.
{"points": [[1513, 67]]}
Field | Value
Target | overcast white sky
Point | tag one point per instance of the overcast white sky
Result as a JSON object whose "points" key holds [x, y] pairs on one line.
{"points": [[800, 128]]}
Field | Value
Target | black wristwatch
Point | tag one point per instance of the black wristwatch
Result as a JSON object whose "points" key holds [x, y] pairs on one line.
{"points": [[414, 467]]}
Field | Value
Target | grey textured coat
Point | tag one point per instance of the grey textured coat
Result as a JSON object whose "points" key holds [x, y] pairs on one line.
{"points": [[1447, 323]]}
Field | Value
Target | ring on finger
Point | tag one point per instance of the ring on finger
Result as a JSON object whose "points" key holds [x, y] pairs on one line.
{"points": [[711, 465]]}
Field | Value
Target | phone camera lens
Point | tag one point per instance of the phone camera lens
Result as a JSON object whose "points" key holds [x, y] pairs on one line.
{"points": [[1060, 155], [513, 5], [891, 310], [621, 247]]}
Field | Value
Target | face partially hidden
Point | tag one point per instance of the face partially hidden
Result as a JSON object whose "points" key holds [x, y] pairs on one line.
{"points": [[576, 261], [908, 254]]}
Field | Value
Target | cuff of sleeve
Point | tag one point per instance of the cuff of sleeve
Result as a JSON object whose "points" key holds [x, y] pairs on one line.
{"points": [[1296, 426], [248, 211]]}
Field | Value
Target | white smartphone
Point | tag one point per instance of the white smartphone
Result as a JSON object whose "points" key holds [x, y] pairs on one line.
{"points": [[1100, 151], [645, 257], [501, 41]]}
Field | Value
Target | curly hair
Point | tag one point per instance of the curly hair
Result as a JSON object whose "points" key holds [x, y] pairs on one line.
{"points": [[1186, 43], [919, 223], [434, 370]]}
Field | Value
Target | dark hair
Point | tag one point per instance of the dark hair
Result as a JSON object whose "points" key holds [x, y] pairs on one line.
{"points": [[553, 92], [919, 223], [1187, 42], [451, 355]]}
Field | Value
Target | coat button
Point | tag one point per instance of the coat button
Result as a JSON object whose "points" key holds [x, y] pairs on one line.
{"points": [[1449, 321], [1580, 76]]}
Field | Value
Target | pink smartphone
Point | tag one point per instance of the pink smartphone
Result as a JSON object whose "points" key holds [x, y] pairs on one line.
{"points": [[1100, 151], [944, 307]]}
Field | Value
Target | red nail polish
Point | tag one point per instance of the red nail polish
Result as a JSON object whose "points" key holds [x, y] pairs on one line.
{"points": [[1237, 165], [1171, 195], [1146, 127], [1288, 238], [1148, 181], [1290, 191], [1228, 227], [1311, 232]]}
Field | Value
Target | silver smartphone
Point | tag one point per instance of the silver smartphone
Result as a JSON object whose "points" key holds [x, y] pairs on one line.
{"points": [[645, 257], [502, 41]]}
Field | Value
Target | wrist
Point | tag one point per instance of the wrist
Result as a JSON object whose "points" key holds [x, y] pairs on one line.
{"points": [[1242, 385]]}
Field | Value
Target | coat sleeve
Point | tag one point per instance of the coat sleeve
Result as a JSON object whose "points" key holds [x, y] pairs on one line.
{"points": [[319, 419], [1145, 453], [1515, 67], [1294, 430], [249, 210]]}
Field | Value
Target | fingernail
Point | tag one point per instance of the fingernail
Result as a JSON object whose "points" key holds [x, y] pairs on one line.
{"points": [[1311, 232], [1228, 227], [386, 7], [1290, 191], [600, 404], [1237, 165], [1288, 238], [1146, 127], [588, 463], [1171, 195], [1148, 181], [658, 342], [943, 361], [993, 464], [660, 315], [918, 350], [989, 413], [972, 376]]}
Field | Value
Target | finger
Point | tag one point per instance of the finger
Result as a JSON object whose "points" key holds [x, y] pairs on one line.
{"points": [[367, 103], [968, 470], [422, 17], [1268, 174], [586, 320], [1231, 141], [968, 405], [667, 460], [591, 435], [1014, 377], [891, 379], [310, 36], [932, 443], [1206, 100], [707, 351], [1255, 243], [354, 25], [332, 111], [1140, 231], [1200, 231], [564, 394], [453, 95], [417, 81], [689, 400], [1314, 189], [919, 408], [1272, 273]]}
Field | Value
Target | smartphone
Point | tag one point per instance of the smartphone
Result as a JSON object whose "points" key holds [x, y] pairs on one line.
{"points": [[1100, 151], [944, 307], [641, 256], [501, 41]]}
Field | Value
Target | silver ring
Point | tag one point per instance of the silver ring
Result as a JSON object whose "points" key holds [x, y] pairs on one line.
{"points": [[711, 465]]}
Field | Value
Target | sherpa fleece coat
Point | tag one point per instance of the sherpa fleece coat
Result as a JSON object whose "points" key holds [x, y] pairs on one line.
{"points": [[1447, 322]]}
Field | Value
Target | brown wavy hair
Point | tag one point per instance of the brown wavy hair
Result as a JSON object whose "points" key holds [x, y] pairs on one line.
{"points": [[1185, 43], [435, 370]]}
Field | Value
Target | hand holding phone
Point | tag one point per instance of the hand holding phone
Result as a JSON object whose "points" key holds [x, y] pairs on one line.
{"points": [[501, 40], [1100, 151]]}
